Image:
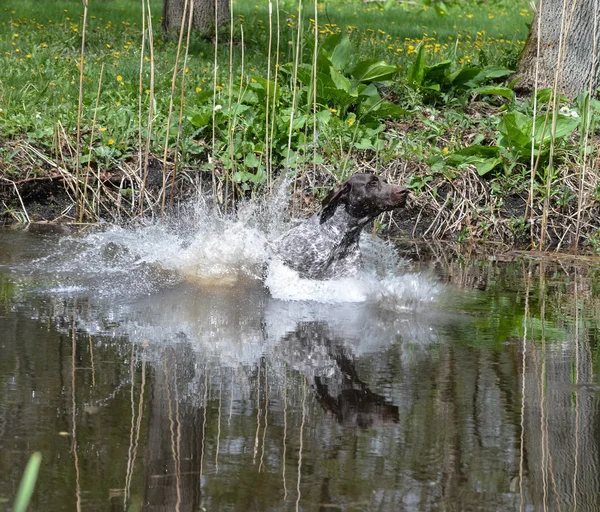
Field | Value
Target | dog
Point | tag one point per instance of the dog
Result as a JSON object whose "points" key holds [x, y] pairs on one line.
{"points": [[326, 246]]}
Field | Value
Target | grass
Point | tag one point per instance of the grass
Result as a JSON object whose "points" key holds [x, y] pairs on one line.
{"points": [[411, 127]]}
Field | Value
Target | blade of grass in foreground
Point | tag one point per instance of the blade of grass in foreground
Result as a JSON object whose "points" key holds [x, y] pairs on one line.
{"points": [[28, 483]]}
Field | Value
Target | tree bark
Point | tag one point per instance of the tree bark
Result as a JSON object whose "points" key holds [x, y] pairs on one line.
{"points": [[203, 17], [578, 64]]}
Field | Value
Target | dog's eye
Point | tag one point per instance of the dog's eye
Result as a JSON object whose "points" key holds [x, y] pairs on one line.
{"points": [[373, 183]]}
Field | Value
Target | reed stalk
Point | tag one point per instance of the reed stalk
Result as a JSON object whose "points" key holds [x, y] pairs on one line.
{"points": [[275, 82], [150, 112], [268, 97], [214, 105], [90, 148], [294, 95], [79, 207], [315, 56], [181, 102], [229, 175], [564, 30], [237, 104], [535, 92], [140, 98], [170, 111]]}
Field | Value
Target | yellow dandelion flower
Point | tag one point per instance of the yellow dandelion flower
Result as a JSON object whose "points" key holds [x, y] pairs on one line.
{"points": [[110, 142], [351, 121], [198, 89], [28, 55], [119, 78], [103, 129]]}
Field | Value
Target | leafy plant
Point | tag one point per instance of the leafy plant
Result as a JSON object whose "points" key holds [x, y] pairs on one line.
{"points": [[440, 82]]}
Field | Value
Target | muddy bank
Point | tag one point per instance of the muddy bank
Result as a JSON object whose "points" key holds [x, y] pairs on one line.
{"points": [[459, 208]]}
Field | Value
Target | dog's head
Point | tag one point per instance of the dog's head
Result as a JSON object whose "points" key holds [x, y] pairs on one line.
{"points": [[365, 196]]}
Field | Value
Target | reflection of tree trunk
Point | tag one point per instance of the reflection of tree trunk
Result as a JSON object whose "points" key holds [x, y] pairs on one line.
{"points": [[446, 403], [173, 468], [203, 16], [561, 432]]}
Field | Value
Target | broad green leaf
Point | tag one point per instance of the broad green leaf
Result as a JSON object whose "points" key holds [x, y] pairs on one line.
{"points": [[478, 150], [389, 109], [438, 73], [341, 55], [468, 76], [564, 127], [330, 42], [340, 81], [490, 72], [440, 8], [251, 161], [494, 90], [201, 119], [374, 70], [545, 96], [323, 116], [364, 144], [516, 130]]}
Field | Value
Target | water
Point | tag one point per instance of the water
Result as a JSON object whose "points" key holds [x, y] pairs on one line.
{"points": [[177, 366]]}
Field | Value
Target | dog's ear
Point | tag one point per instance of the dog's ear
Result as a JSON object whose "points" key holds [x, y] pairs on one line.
{"points": [[333, 199]]}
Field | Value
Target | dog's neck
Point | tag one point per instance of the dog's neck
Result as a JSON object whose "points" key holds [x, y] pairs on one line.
{"points": [[342, 217]]}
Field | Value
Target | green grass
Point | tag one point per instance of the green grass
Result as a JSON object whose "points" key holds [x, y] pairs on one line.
{"points": [[40, 44]]}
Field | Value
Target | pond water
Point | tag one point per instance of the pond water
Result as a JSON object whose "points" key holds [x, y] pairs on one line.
{"points": [[174, 367]]}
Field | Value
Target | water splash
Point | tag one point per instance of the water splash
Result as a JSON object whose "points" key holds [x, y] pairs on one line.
{"points": [[202, 247]]}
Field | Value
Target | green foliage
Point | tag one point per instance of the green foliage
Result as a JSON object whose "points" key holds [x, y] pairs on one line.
{"points": [[28, 483], [439, 83]]}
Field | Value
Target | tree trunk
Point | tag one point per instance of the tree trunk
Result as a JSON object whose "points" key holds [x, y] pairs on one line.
{"points": [[203, 17], [578, 63]]}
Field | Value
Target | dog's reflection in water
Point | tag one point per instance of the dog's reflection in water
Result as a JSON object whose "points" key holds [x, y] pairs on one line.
{"points": [[322, 357]]}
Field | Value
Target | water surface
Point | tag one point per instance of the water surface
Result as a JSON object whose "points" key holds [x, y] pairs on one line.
{"points": [[175, 366]]}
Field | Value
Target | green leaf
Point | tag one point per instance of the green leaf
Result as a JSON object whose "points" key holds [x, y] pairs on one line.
{"points": [[341, 55], [545, 96], [389, 109], [340, 81], [564, 127], [468, 76], [515, 129], [438, 73], [492, 72], [201, 119], [330, 43], [364, 144], [494, 90], [28, 481], [323, 116], [374, 71], [478, 150], [251, 161], [416, 71], [440, 8]]}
